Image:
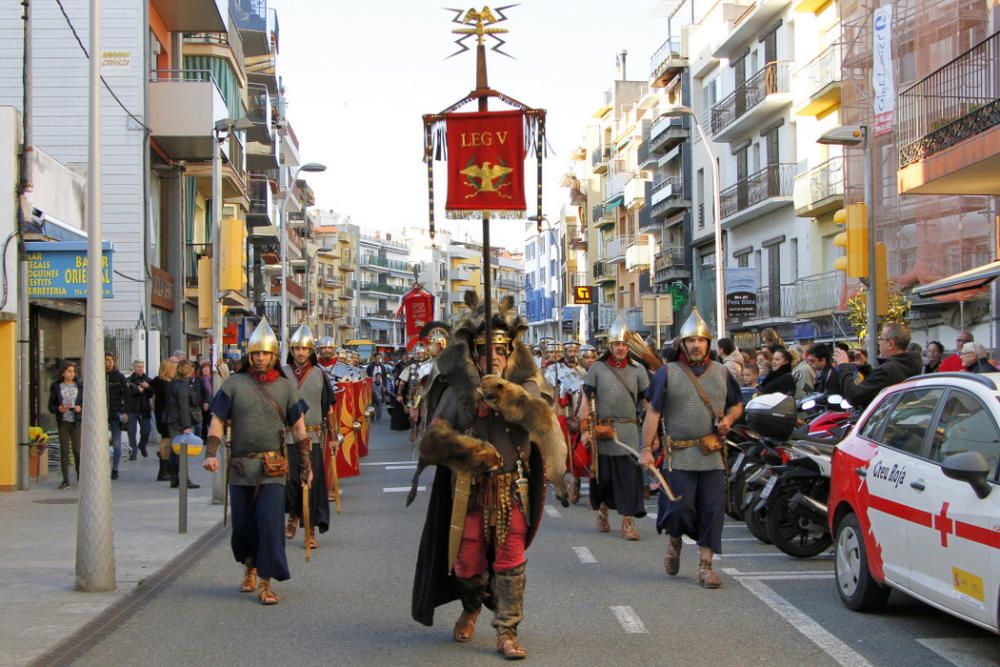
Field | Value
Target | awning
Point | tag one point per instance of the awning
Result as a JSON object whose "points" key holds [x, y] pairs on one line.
{"points": [[960, 282]]}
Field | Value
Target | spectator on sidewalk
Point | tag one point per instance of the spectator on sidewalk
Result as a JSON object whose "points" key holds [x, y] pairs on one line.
{"points": [[805, 378], [161, 390], [975, 359], [953, 363], [139, 410], [183, 415], [118, 394], [730, 357], [204, 385], [935, 352], [66, 402]]}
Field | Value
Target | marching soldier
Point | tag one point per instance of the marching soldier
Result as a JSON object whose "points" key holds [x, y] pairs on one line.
{"points": [[314, 389], [698, 401], [570, 402], [263, 406], [408, 387], [588, 355], [613, 390], [486, 500]]}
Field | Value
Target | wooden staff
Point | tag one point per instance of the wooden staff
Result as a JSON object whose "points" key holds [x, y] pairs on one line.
{"points": [[306, 523]]}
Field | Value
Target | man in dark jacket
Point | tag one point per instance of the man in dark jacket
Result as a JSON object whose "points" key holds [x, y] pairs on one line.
{"points": [[118, 394], [895, 365], [139, 409], [820, 359]]}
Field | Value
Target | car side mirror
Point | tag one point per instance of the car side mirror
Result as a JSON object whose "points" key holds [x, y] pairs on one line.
{"points": [[969, 467]]}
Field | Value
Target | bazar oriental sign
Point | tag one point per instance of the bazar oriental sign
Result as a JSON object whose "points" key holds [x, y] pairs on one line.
{"points": [[58, 270]]}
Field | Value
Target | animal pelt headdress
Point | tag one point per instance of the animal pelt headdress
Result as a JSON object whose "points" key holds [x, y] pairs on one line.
{"points": [[457, 366]]}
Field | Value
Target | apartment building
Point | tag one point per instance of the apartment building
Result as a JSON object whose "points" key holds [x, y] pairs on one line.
{"points": [[430, 257], [543, 288], [333, 241], [384, 273]]}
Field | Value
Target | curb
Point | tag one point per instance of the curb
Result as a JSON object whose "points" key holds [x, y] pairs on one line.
{"points": [[92, 633]]}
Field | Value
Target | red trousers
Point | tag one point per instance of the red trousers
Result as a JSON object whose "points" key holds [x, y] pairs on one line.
{"points": [[471, 559]]}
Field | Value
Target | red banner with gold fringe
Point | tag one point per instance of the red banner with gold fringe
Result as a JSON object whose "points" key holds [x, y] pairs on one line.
{"points": [[485, 164]]}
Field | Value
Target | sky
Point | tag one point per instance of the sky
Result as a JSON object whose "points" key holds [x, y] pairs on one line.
{"points": [[359, 76]]}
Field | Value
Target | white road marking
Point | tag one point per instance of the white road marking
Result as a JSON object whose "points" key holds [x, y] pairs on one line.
{"points": [[732, 525], [964, 652], [740, 539], [629, 620], [583, 553], [734, 572], [778, 554], [687, 540], [401, 489], [813, 631], [386, 463], [409, 467], [552, 512]]}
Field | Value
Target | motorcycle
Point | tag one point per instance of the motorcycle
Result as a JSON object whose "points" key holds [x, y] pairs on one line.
{"points": [[795, 500]]}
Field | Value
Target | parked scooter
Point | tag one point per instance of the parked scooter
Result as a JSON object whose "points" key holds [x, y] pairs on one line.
{"points": [[795, 500]]}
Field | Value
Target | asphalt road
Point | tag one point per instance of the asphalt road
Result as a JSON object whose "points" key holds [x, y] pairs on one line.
{"points": [[591, 599]]}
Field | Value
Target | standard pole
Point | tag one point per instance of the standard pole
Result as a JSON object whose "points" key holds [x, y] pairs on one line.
{"points": [[482, 86], [218, 482], [872, 319], [95, 550]]}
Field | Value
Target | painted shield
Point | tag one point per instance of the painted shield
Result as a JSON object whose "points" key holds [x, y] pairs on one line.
{"points": [[348, 460]]}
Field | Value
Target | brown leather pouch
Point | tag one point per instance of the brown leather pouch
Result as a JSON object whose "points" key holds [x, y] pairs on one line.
{"points": [[605, 431], [274, 464], [711, 443]]}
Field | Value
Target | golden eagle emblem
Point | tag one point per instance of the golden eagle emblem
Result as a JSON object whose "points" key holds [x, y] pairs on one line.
{"points": [[491, 178]]}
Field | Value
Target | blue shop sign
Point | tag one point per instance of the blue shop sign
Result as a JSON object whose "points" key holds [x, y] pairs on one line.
{"points": [[58, 270]]}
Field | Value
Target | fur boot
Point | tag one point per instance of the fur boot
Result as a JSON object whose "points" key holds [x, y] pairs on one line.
{"points": [[508, 594]]}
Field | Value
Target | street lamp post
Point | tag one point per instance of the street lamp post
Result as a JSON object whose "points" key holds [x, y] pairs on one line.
{"points": [[310, 167], [720, 266], [858, 136]]}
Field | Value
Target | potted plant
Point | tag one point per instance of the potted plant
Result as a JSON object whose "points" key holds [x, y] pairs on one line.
{"points": [[38, 439]]}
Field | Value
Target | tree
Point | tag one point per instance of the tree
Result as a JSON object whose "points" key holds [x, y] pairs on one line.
{"points": [[857, 314]]}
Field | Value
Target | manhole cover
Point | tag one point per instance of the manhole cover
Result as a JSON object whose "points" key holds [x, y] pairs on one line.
{"points": [[56, 501]]}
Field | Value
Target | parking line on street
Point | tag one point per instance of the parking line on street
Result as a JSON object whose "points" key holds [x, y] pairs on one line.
{"points": [[629, 620], [963, 652], [740, 539], [777, 554], [552, 512], [584, 554], [386, 463], [401, 489], [813, 631], [409, 467], [735, 572]]}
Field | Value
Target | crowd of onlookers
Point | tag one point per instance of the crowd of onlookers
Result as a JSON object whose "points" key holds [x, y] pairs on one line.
{"points": [[175, 402]]}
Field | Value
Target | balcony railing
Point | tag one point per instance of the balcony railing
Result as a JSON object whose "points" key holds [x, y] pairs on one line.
{"points": [[231, 38], [259, 112], [819, 184], [670, 258], [602, 271], [259, 194], [774, 180], [385, 263], [378, 314], [821, 71], [615, 250], [235, 154], [820, 293], [671, 48], [646, 221], [578, 279], [772, 79], [777, 302], [671, 186], [507, 283], [383, 288], [958, 101], [599, 156], [615, 185]]}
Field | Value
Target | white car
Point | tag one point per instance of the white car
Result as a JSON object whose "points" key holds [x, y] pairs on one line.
{"points": [[915, 498]]}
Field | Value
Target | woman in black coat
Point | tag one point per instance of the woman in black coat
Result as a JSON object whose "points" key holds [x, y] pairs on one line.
{"points": [[183, 415], [66, 403], [160, 386], [780, 380]]}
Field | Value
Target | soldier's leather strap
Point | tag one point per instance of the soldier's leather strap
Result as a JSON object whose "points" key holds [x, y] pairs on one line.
{"points": [[459, 510]]}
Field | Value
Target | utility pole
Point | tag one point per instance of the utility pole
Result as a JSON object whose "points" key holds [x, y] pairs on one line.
{"points": [[218, 478], [23, 322], [95, 550]]}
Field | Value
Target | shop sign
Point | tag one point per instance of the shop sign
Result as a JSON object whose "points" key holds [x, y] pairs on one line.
{"points": [[583, 295], [58, 270], [162, 290], [741, 293]]}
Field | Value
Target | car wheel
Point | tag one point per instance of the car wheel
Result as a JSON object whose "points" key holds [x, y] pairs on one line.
{"points": [[790, 531], [857, 588]]}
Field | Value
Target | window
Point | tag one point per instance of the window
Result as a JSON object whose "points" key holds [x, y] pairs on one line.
{"points": [[966, 426], [743, 259], [873, 427], [907, 425]]}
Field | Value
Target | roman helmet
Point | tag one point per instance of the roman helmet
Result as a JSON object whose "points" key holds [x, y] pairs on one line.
{"points": [[618, 332], [342, 355], [326, 342], [437, 334], [571, 347], [263, 339], [695, 327], [303, 337]]}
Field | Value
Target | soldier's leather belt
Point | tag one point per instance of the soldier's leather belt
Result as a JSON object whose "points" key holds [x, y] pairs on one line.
{"points": [[314, 428], [694, 442], [616, 420]]}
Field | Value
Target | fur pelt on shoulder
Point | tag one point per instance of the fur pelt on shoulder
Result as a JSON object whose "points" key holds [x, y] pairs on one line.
{"points": [[443, 445]]}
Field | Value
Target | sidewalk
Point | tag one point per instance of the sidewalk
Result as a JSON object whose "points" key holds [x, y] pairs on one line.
{"points": [[38, 551]]}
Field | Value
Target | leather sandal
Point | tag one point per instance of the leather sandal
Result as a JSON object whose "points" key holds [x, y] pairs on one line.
{"points": [[465, 626], [291, 527], [265, 594], [672, 561], [602, 520], [313, 544], [510, 648], [706, 577], [249, 583], [629, 532]]}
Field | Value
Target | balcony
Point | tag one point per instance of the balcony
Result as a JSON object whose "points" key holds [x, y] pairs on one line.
{"points": [[262, 156], [184, 106], [748, 21], [578, 279], [820, 190], [645, 158], [614, 186], [666, 63], [637, 255], [294, 290], [599, 158], [192, 15], [667, 133], [820, 80], [671, 264], [258, 25], [615, 249], [637, 192], [346, 294], [603, 216], [667, 198], [576, 237], [604, 272], [332, 280], [347, 261], [507, 283], [948, 126], [259, 112], [774, 306], [606, 316], [261, 205], [376, 261], [376, 314], [647, 224], [290, 156], [821, 294], [763, 95], [463, 273], [384, 288], [767, 190]]}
